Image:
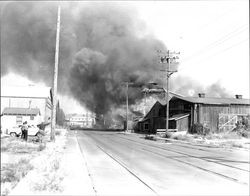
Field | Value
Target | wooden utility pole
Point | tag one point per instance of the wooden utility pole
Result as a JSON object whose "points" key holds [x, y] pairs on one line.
{"points": [[127, 85], [127, 107], [167, 94], [168, 58], [53, 121]]}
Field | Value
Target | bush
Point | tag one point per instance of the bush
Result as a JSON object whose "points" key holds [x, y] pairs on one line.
{"points": [[242, 127], [168, 135], [57, 132], [243, 132], [199, 129], [150, 137]]}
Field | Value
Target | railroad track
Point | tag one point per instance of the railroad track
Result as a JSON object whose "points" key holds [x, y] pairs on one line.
{"points": [[192, 156], [119, 162], [125, 167], [176, 159]]}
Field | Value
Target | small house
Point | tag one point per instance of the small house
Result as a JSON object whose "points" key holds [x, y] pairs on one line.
{"points": [[16, 116], [28, 97]]}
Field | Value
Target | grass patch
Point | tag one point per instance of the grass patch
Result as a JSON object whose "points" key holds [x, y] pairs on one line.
{"points": [[182, 137], [237, 145], [50, 179], [223, 135], [19, 151], [16, 145], [13, 172], [41, 147]]}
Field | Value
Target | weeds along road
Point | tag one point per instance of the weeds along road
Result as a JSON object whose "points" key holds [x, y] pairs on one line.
{"points": [[124, 164]]}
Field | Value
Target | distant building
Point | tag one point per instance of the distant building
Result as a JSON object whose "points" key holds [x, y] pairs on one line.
{"points": [[28, 97], [16, 116], [216, 114], [86, 120]]}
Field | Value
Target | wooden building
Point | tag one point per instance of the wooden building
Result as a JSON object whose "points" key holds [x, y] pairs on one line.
{"points": [[216, 114]]}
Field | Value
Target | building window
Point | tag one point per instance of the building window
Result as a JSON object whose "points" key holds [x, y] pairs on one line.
{"points": [[19, 119], [146, 126], [31, 117]]}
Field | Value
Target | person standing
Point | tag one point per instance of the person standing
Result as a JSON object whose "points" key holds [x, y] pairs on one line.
{"points": [[25, 131]]}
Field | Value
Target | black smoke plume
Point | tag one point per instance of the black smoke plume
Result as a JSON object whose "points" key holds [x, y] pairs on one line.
{"points": [[102, 45], [188, 87]]}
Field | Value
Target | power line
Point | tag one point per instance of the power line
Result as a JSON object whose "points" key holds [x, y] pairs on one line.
{"points": [[218, 42], [214, 20], [215, 54], [232, 46]]}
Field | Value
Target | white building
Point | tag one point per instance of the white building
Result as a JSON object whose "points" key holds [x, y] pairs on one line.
{"points": [[16, 116], [28, 97], [81, 120]]}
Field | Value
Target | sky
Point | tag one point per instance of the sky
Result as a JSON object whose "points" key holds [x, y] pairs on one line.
{"points": [[211, 36]]}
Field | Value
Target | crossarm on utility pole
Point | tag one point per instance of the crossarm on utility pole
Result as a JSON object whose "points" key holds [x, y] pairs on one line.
{"points": [[168, 58]]}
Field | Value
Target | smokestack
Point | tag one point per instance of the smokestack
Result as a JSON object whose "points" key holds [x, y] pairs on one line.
{"points": [[238, 96], [201, 95]]}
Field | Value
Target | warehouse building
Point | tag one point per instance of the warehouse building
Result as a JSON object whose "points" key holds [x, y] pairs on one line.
{"points": [[216, 114]]}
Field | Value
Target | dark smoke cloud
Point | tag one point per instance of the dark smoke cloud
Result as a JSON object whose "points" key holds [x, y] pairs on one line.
{"points": [[185, 86], [28, 41], [113, 54], [101, 47]]}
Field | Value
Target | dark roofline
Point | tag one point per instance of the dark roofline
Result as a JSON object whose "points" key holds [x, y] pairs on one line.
{"points": [[157, 102], [215, 100]]}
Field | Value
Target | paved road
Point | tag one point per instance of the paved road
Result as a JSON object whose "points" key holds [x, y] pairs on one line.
{"points": [[126, 164]]}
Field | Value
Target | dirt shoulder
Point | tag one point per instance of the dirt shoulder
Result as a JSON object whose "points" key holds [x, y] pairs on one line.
{"points": [[58, 170], [21, 159], [16, 156]]}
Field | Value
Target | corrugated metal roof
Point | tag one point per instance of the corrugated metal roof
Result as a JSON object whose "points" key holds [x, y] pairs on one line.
{"points": [[21, 111], [25, 91], [215, 101]]}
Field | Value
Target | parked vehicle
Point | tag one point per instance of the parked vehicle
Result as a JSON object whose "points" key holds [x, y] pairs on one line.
{"points": [[32, 131]]}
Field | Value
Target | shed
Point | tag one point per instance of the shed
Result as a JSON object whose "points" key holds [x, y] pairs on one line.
{"points": [[179, 122]]}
